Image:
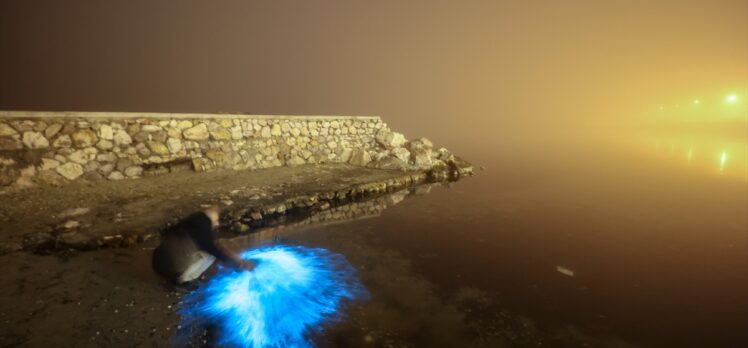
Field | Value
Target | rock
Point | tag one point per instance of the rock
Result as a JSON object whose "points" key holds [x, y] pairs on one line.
{"points": [[49, 164], [401, 154], [70, 170], [106, 157], [69, 225], [141, 137], [106, 168], [104, 144], [265, 132], [422, 158], [345, 156], [67, 213], [40, 126], [276, 130], [150, 128], [52, 130], [91, 166], [106, 132], [6, 130], [174, 145], [173, 133], [218, 156], [236, 132], [389, 139], [81, 157], [63, 141], [391, 163], [295, 161], [158, 148], [201, 164], [184, 124], [143, 150], [359, 157], [134, 171], [115, 175], [123, 163], [84, 138], [199, 132], [122, 138], [220, 133], [427, 143], [35, 140], [445, 155]]}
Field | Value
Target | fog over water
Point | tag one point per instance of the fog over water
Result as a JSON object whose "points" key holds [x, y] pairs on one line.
{"points": [[613, 137]]}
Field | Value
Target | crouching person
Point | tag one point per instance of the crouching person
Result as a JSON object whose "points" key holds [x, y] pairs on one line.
{"points": [[187, 249]]}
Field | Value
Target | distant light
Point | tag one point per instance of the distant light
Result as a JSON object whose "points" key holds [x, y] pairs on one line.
{"points": [[690, 155], [722, 160], [662, 108], [732, 99], [696, 101]]}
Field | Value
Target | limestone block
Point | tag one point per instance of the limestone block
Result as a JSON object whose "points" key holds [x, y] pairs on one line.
{"points": [[6, 130], [134, 171], [359, 157], [122, 138], [35, 140], [199, 132], [84, 138], [115, 175], [401, 153], [104, 144], [158, 148], [81, 156], [265, 132], [184, 124], [276, 130], [106, 132], [295, 161], [389, 139], [52, 130], [174, 145], [220, 133], [70, 170]]}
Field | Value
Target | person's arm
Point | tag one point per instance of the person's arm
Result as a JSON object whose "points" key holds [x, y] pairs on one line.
{"points": [[202, 234]]}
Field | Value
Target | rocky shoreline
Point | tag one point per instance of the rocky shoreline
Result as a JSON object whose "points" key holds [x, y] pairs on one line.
{"points": [[250, 201]]}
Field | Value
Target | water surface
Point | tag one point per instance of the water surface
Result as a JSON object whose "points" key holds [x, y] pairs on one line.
{"points": [[612, 242]]}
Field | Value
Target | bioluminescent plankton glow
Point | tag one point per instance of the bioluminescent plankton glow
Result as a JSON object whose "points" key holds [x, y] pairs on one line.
{"points": [[292, 290]]}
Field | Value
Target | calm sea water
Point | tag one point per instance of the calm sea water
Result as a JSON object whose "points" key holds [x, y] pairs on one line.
{"points": [[621, 241]]}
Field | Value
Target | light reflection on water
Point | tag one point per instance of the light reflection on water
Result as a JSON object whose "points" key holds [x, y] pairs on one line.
{"points": [[709, 153]]}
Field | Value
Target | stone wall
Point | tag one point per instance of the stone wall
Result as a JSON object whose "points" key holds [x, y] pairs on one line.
{"points": [[58, 147]]}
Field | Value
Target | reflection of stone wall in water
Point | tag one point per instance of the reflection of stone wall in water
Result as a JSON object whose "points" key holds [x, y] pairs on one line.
{"points": [[272, 226], [58, 147]]}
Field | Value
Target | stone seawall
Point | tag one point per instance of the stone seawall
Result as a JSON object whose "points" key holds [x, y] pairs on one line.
{"points": [[59, 147]]}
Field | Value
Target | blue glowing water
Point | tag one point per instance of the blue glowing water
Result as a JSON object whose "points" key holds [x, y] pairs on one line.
{"points": [[292, 290]]}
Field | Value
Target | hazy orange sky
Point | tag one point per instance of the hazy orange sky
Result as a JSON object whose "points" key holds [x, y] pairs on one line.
{"points": [[445, 69]]}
